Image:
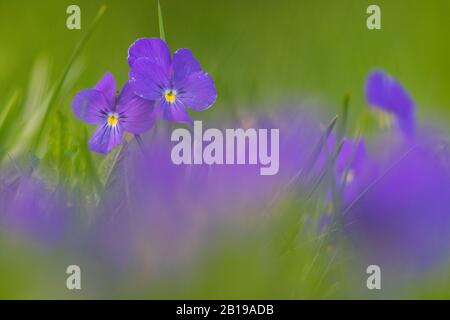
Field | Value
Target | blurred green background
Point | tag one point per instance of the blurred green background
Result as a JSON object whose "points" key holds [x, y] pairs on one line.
{"points": [[255, 50], [260, 54]]}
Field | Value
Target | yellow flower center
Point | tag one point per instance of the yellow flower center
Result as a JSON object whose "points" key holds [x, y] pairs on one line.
{"points": [[113, 119], [170, 95]]}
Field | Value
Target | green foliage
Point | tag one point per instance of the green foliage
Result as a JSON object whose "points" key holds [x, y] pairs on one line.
{"points": [[54, 95], [9, 120], [257, 55]]}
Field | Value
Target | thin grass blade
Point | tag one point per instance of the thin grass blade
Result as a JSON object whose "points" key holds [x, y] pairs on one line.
{"points": [[56, 92]]}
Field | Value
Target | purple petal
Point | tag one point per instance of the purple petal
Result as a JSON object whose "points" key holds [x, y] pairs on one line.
{"points": [[148, 80], [154, 49], [91, 106], [175, 112], [107, 85], [360, 155], [184, 64], [197, 91], [387, 93], [34, 211], [105, 138], [352, 155], [135, 113], [407, 124]]}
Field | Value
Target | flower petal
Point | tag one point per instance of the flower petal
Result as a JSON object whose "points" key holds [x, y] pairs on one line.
{"points": [[148, 80], [197, 91], [154, 49], [387, 93], [184, 64], [175, 112], [135, 114], [105, 138], [107, 85], [407, 125], [91, 106]]}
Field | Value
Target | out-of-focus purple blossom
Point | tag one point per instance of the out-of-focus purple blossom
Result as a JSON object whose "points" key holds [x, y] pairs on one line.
{"points": [[173, 84], [351, 161], [387, 93], [166, 211], [351, 157], [32, 211], [400, 217], [113, 116]]}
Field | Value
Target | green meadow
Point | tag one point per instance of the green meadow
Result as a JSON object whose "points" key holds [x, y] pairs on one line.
{"points": [[263, 55]]}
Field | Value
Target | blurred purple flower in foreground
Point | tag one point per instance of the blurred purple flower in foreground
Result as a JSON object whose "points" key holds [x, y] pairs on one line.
{"points": [[172, 210], [114, 116], [173, 84], [402, 216], [349, 161], [29, 209], [388, 94]]}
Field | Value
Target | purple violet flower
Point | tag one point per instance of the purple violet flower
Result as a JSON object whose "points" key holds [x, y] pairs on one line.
{"points": [[388, 94], [114, 115], [173, 84]]}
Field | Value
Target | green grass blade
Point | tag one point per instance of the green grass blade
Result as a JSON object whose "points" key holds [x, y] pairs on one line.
{"points": [[325, 171], [343, 122], [117, 158], [5, 115], [309, 164], [91, 169], [8, 120], [162, 34], [322, 143], [62, 78], [377, 180]]}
